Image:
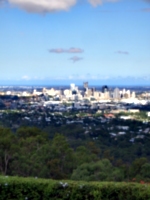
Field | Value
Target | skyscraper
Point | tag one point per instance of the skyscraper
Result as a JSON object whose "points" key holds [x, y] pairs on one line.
{"points": [[93, 90], [116, 94], [105, 88], [85, 85]]}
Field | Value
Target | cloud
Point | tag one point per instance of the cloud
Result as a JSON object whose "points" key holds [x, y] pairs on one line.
{"points": [[95, 2], [146, 10], [59, 50], [123, 52], [25, 77], [43, 6], [147, 1], [74, 50], [2, 1], [71, 50], [87, 76], [100, 2], [94, 77], [76, 58]]}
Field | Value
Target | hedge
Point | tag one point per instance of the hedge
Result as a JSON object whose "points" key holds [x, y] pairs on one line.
{"points": [[16, 188]]}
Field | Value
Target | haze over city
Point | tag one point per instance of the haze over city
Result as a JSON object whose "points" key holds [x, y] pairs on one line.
{"points": [[70, 41]]}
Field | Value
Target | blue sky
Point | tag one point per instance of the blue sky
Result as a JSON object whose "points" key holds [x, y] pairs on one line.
{"points": [[65, 41]]}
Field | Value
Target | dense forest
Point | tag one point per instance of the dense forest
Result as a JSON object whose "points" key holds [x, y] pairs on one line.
{"points": [[67, 153]]}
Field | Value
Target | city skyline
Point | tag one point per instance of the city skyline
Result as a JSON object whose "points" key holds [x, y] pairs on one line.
{"points": [[70, 41]]}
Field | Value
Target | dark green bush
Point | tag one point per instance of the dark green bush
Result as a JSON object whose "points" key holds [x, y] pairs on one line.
{"points": [[15, 188]]}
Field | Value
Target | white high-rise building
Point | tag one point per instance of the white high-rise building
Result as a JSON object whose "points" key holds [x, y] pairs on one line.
{"points": [[129, 93], [72, 86], [133, 94], [116, 93]]}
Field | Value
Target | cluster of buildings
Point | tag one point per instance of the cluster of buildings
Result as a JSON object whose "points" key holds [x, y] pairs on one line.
{"points": [[85, 106], [89, 93], [105, 94]]}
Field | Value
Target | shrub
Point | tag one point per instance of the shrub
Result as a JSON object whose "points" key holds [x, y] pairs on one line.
{"points": [[15, 188]]}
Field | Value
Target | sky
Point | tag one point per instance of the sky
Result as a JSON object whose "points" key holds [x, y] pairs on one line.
{"points": [[73, 41]]}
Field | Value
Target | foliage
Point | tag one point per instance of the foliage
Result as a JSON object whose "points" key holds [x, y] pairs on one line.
{"points": [[97, 171], [31, 152], [7, 149], [14, 188]]}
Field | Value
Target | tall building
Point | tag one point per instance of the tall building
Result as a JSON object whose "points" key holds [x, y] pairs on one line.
{"points": [[105, 88], [96, 94], [133, 94], [116, 94], [129, 93], [61, 91], [86, 85], [85, 89], [72, 86], [89, 92], [44, 90], [106, 95], [93, 90]]}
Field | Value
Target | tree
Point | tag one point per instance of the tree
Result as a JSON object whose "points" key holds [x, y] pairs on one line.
{"points": [[99, 171], [136, 166], [61, 158], [8, 148], [84, 155], [30, 157], [25, 132], [145, 171]]}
